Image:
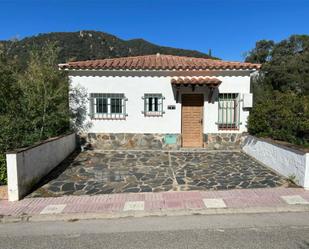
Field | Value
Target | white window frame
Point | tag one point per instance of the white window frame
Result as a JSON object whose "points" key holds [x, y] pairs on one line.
{"points": [[94, 99], [229, 111], [150, 109]]}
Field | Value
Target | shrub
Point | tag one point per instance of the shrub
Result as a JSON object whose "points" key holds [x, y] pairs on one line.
{"points": [[283, 116], [3, 176]]}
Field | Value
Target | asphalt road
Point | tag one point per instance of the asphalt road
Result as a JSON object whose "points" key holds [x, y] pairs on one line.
{"points": [[285, 230]]}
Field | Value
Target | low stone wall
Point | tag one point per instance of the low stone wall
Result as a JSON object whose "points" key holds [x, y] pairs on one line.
{"points": [[223, 141], [130, 141], [290, 162], [27, 166]]}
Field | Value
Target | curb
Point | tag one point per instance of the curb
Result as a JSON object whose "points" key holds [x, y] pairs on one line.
{"points": [[72, 217]]}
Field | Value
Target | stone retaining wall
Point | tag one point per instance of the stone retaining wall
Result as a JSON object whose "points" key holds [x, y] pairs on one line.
{"points": [[131, 141], [223, 141]]}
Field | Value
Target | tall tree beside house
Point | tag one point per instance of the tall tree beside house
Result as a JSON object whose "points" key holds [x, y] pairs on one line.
{"points": [[11, 105], [285, 64], [261, 53], [281, 92], [34, 103], [45, 95]]}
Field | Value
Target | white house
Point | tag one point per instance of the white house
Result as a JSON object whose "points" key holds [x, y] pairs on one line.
{"points": [[164, 101]]}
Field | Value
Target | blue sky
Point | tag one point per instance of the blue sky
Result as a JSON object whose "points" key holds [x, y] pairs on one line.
{"points": [[229, 28]]}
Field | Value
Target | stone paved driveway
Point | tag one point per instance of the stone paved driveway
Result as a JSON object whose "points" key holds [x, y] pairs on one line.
{"points": [[107, 172]]}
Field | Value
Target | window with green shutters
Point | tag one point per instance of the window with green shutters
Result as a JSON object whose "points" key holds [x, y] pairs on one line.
{"points": [[153, 104], [107, 106], [228, 111]]}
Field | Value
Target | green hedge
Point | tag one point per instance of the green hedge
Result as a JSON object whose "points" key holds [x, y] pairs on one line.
{"points": [[3, 176], [281, 116]]}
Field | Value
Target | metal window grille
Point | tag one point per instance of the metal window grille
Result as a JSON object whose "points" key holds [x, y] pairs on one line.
{"points": [[229, 111], [107, 106], [153, 104]]}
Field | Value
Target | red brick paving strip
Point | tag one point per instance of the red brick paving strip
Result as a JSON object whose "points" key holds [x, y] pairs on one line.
{"points": [[113, 203]]}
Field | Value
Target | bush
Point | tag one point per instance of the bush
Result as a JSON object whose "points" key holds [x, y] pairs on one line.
{"points": [[283, 116], [3, 176]]}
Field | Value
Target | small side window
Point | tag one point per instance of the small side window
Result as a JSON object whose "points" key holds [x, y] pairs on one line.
{"points": [[153, 104]]}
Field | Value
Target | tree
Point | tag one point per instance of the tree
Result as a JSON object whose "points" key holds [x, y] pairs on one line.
{"points": [[285, 65], [281, 92], [10, 103], [34, 103], [261, 53], [289, 67], [45, 95]]}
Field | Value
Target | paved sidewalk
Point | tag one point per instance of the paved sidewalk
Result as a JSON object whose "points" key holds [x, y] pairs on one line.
{"points": [[142, 204]]}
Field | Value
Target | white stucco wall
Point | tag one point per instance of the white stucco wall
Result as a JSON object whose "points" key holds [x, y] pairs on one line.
{"points": [[135, 84], [286, 161], [27, 166]]}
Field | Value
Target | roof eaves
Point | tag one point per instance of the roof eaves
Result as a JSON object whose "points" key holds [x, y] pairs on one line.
{"points": [[62, 67]]}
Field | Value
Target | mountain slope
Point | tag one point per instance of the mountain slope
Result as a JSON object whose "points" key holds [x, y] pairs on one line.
{"points": [[87, 45]]}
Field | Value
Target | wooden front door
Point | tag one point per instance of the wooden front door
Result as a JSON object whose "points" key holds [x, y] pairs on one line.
{"points": [[192, 120]]}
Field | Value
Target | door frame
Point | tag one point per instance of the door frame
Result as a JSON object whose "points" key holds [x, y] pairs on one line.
{"points": [[202, 120]]}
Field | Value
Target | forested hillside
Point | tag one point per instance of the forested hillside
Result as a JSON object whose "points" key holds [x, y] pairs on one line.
{"points": [[85, 45]]}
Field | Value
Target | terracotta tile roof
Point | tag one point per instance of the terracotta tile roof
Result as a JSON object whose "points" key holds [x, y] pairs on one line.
{"points": [[196, 81], [159, 62]]}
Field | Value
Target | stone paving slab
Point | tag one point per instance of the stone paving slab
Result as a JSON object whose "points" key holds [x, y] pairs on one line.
{"points": [[157, 202], [53, 209], [106, 172], [134, 206], [294, 199], [214, 203]]}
